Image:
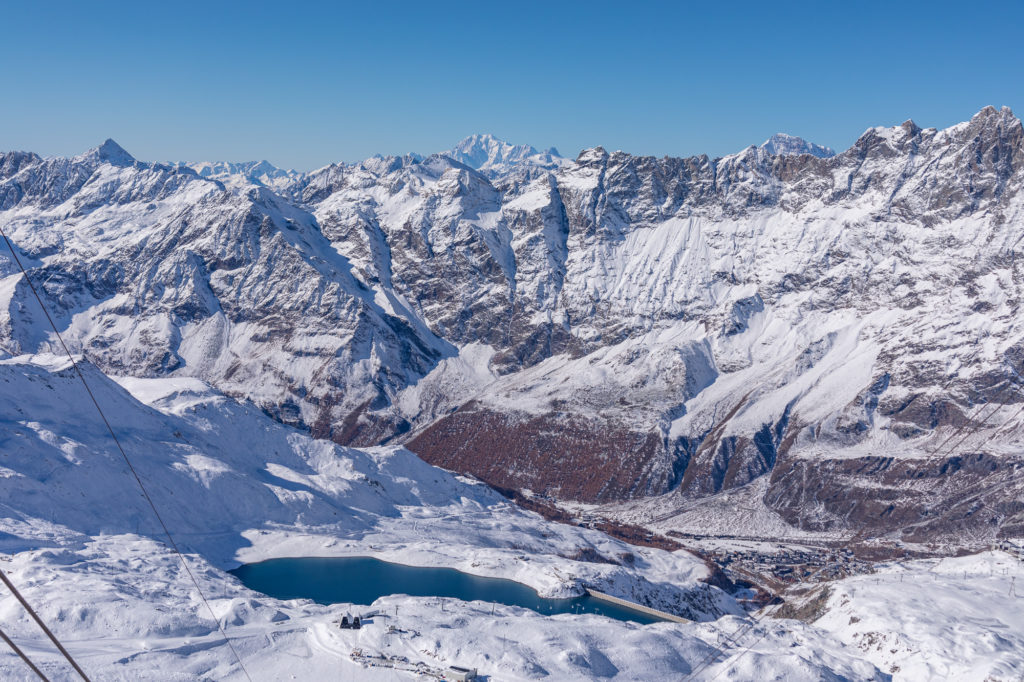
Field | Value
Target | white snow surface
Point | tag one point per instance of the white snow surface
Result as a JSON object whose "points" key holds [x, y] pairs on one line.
{"points": [[235, 486], [959, 618]]}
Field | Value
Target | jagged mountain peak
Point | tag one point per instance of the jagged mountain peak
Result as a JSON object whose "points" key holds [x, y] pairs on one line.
{"points": [[482, 150], [989, 112], [992, 119], [989, 128], [484, 139], [784, 144], [591, 155], [488, 141], [485, 152], [110, 152]]}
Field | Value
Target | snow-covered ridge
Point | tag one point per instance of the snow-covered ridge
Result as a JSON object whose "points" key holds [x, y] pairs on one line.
{"points": [[261, 173]]}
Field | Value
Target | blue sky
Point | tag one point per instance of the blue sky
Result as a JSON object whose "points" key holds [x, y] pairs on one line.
{"points": [[304, 83]]}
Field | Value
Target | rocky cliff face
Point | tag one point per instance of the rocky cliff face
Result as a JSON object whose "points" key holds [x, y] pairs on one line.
{"points": [[605, 328]]}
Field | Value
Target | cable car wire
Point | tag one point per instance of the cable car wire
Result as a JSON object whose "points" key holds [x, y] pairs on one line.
{"points": [[42, 625], [23, 656]]}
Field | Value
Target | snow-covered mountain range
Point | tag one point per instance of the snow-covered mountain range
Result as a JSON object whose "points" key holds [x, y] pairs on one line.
{"points": [[261, 173], [784, 343], [601, 329]]}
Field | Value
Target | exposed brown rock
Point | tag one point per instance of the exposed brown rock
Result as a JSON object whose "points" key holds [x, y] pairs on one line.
{"points": [[567, 457]]}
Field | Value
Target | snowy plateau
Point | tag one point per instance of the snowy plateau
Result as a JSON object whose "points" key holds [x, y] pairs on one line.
{"points": [[776, 393]]}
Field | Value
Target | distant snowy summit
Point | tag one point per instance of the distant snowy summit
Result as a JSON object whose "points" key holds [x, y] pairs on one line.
{"points": [[782, 144], [108, 152], [486, 152], [257, 172]]}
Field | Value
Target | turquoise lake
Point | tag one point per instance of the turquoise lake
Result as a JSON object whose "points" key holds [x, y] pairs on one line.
{"points": [[362, 580]]}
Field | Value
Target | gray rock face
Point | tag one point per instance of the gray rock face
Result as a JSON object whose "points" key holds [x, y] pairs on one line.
{"points": [[700, 322]]}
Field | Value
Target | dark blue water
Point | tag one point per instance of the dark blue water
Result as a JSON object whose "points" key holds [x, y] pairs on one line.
{"points": [[363, 580]]}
